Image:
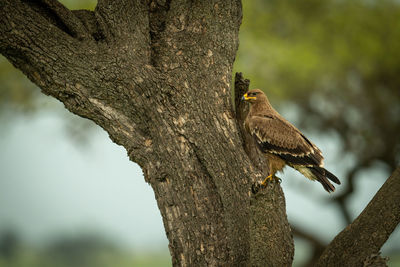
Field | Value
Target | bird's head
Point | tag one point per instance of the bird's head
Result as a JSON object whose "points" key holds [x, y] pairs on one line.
{"points": [[253, 96]]}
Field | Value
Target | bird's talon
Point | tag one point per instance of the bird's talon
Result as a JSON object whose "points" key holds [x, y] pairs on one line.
{"points": [[255, 188], [270, 178], [266, 181]]}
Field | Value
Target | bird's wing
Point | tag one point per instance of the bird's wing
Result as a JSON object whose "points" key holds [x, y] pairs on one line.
{"points": [[275, 135]]}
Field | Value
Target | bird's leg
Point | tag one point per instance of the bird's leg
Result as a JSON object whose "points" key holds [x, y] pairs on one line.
{"points": [[270, 178], [267, 179]]}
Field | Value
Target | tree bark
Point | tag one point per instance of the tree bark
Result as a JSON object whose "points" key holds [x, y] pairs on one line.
{"points": [[156, 76], [361, 240], [269, 234]]}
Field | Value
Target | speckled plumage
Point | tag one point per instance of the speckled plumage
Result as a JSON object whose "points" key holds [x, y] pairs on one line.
{"points": [[282, 143]]}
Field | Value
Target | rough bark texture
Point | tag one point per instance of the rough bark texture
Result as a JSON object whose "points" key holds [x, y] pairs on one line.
{"points": [[359, 243], [156, 76]]}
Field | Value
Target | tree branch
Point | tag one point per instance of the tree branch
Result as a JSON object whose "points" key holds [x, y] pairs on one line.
{"points": [[36, 36], [35, 20], [183, 29], [242, 108], [366, 235], [33, 30], [125, 20], [347, 192], [271, 241], [64, 17]]}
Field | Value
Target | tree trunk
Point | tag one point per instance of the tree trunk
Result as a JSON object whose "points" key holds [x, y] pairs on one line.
{"points": [[156, 75]]}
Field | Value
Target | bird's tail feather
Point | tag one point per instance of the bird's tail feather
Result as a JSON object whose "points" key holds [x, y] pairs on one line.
{"points": [[331, 177], [322, 176]]}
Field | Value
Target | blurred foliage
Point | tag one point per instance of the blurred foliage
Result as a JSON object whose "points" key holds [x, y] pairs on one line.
{"points": [[16, 91], [337, 61], [79, 4], [83, 250]]}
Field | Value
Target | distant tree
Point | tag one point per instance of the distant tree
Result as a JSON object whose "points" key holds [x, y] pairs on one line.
{"points": [[156, 76], [80, 250], [9, 245]]}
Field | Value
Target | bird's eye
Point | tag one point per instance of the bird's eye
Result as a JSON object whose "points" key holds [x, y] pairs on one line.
{"points": [[253, 93]]}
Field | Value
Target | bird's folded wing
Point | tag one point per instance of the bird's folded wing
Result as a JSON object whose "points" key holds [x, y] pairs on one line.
{"points": [[276, 135]]}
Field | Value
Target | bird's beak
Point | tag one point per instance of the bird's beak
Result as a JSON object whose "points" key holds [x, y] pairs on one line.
{"points": [[245, 97]]}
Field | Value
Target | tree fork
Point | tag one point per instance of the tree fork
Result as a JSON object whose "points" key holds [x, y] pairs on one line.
{"points": [[159, 84]]}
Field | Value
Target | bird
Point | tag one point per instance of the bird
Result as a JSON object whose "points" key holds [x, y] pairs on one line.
{"points": [[282, 143]]}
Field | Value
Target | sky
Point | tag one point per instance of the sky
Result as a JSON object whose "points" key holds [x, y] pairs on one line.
{"points": [[52, 184]]}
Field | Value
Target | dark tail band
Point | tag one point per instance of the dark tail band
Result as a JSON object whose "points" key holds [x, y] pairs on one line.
{"points": [[322, 175]]}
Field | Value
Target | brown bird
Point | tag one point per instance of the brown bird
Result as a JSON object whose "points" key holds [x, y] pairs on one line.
{"points": [[282, 143]]}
